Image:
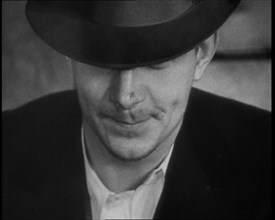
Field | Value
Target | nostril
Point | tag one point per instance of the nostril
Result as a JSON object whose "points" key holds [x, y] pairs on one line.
{"points": [[126, 91], [124, 101]]}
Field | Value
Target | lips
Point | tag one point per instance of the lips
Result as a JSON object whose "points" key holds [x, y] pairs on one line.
{"points": [[128, 122], [127, 117], [127, 128]]}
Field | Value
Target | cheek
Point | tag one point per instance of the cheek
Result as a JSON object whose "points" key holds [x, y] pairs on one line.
{"points": [[178, 104], [88, 84], [89, 79], [90, 92], [86, 92], [175, 103], [172, 100], [175, 92]]}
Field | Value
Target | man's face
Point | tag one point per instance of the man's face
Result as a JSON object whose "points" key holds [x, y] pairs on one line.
{"points": [[138, 111]]}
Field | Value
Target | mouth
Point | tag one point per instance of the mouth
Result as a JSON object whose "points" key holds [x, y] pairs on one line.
{"points": [[128, 122], [127, 128], [125, 123]]}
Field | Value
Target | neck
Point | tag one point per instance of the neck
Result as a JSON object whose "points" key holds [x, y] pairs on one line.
{"points": [[120, 175]]}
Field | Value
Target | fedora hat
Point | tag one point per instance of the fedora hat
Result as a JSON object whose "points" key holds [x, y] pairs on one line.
{"points": [[126, 34]]}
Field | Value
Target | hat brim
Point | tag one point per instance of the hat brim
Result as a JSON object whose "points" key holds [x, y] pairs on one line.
{"points": [[127, 47]]}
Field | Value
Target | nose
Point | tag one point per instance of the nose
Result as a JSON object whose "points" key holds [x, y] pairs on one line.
{"points": [[126, 93]]}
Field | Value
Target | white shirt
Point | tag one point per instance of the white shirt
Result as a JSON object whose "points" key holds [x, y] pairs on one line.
{"points": [[133, 204]]}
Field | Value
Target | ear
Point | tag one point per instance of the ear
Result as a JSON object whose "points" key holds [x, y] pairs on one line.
{"points": [[205, 52]]}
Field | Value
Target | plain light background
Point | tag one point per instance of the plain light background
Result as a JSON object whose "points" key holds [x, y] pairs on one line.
{"points": [[31, 69]]}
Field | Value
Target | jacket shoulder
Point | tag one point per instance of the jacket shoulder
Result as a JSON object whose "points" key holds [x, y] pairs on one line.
{"points": [[41, 154], [233, 143], [37, 133], [230, 137], [44, 106], [233, 120], [40, 116], [220, 105]]}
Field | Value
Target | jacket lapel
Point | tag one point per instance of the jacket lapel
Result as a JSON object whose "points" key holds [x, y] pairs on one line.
{"points": [[74, 181], [185, 183], [66, 194], [198, 183]]}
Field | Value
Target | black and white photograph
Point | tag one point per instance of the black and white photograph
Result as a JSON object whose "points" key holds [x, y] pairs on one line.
{"points": [[136, 109]]}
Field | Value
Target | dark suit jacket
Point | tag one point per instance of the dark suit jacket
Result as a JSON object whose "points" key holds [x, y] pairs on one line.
{"points": [[220, 167]]}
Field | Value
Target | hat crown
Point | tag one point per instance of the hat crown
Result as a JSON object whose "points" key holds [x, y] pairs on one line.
{"points": [[126, 34], [134, 13]]}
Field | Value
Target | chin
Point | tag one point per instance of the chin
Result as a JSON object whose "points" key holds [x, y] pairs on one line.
{"points": [[129, 150]]}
